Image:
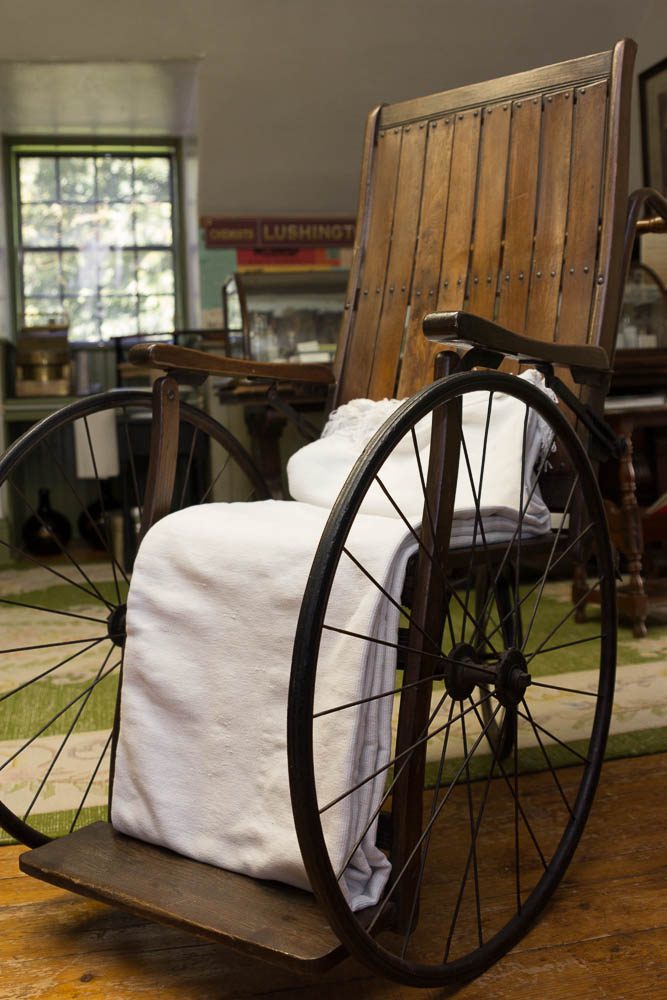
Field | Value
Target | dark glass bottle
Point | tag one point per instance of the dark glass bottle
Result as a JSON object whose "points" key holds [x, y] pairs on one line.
{"points": [[46, 528], [93, 521]]}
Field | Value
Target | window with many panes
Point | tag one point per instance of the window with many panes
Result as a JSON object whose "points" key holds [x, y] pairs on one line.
{"points": [[95, 232]]}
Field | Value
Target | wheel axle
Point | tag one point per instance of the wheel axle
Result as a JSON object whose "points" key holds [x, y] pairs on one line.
{"points": [[508, 675], [116, 625]]}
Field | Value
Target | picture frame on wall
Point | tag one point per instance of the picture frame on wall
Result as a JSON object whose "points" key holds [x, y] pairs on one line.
{"points": [[653, 107]]}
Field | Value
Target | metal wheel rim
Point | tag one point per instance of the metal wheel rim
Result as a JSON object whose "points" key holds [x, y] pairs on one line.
{"points": [[31, 439], [302, 686]]}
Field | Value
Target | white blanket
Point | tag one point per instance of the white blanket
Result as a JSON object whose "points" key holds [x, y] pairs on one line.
{"points": [[201, 762]]}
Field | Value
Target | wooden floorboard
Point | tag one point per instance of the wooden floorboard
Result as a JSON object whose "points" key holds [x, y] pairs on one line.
{"points": [[604, 936]]}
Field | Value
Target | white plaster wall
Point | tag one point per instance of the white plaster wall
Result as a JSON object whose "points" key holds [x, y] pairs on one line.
{"points": [[285, 84]]}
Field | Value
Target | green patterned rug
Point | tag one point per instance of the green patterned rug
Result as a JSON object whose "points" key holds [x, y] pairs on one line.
{"points": [[639, 723]]}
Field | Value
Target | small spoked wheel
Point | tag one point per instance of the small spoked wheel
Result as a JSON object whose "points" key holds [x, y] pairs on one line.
{"points": [[72, 489], [481, 751]]}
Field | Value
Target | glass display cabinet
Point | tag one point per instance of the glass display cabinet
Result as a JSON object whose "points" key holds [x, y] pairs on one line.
{"points": [[643, 323], [281, 316]]}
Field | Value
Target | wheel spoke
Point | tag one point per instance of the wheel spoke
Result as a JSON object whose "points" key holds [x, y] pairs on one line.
{"points": [[434, 802], [90, 783], [219, 474], [564, 645], [53, 645], [537, 583], [408, 751], [568, 690], [473, 839], [464, 879], [376, 697], [55, 718], [391, 600], [133, 468], [35, 513], [105, 521], [50, 611], [429, 514], [84, 509], [69, 732], [560, 624], [186, 475], [45, 673], [389, 790], [476, 495], [431, 821], [441, 657], [522, 513], [547, 758], [575, 483], [422, 481], [437, 565], [517, 561], [515, 798], [552, 736], [396, 604], [382, 642]]}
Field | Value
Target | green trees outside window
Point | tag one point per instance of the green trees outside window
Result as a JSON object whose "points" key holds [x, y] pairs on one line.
{"points": [[95, 239]]}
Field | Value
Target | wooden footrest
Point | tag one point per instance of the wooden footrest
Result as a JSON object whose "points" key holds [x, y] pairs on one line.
{"points": [[271, 921]]}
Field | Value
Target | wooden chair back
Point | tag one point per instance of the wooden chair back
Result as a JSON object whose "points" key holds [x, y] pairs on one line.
{"points": [[506, 199]]}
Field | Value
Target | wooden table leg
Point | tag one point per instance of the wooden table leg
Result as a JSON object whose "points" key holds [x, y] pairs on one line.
{"points": [[633, 596], [265, 426], [625, 523]]}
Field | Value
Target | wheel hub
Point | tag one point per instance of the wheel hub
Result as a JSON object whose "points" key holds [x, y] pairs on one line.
{"points": [[460, 674], [512, 678], [463, 671], [116, 625]]}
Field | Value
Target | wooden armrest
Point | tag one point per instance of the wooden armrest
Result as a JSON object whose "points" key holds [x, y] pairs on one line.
{"points": [[464, 328], [174, 359]]}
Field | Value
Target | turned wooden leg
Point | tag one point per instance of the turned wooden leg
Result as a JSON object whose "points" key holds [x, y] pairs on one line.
{"points": [[633, 541]]}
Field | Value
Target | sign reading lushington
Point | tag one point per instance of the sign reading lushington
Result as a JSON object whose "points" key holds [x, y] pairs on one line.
{"points": [[279, 232]]}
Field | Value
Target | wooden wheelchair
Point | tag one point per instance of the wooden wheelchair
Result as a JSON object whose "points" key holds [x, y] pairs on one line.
{"points": [[498, 213]]}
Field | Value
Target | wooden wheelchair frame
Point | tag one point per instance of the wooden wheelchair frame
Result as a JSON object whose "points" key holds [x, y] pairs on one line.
{"points": [[494, 218]]}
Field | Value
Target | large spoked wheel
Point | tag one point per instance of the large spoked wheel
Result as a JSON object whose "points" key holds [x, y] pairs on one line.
{"points": [[63, 587], [495, 603], [482, 828]]}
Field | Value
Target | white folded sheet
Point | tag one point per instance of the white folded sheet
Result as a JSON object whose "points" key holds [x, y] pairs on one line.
{"points": [[201, 763], [317, 472]]}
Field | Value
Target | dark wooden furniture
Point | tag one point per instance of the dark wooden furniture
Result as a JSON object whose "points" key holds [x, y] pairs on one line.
{"points": [[499, 209], [639, 375], [267, 411]]}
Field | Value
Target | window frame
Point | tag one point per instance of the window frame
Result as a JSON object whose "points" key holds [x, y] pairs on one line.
{"points": [[15, 146]]}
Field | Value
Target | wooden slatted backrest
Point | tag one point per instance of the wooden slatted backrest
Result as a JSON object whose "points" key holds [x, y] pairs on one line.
{"points": [[506, 199]]}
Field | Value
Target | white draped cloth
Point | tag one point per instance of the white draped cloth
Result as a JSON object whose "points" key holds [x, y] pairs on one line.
{"points": [[201, 760]]}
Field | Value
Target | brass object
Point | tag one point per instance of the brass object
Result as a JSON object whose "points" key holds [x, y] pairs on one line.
{"points": [[43, 362]]}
